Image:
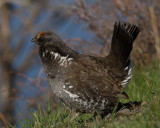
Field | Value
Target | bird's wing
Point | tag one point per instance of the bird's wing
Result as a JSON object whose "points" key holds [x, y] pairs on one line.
{"points": [[90, 78]]}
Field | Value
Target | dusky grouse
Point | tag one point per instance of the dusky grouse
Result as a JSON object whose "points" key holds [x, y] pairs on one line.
{"points": [[87, 83]]}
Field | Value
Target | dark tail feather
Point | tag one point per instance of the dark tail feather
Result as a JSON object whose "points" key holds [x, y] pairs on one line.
{"points": [[132, 30], [122, 41]]}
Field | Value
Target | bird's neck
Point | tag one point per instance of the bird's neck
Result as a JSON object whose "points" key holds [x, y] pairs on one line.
{"points": [[62, 49]]}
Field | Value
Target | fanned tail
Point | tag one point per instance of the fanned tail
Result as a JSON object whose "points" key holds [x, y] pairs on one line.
{"points": [[122, 42]]}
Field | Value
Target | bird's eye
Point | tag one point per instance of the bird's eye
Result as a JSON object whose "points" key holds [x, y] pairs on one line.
{"points": [[40, 39], [40, 36]]}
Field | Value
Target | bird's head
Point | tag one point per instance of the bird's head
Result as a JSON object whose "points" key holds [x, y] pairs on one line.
{"points": [[46, 37], [48, 40]]}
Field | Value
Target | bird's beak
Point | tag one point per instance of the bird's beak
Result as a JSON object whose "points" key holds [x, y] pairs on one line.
{"points": [[34, 39]]}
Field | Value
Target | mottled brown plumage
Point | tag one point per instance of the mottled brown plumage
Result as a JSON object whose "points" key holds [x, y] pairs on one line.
{"points": [[86, 83]]}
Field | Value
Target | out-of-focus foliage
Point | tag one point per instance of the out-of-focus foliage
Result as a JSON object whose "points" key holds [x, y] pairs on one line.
{"points": [[20, 20], [101, 17], [22, 81]]}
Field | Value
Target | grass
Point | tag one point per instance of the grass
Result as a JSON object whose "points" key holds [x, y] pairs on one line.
{"points": [[145, 87]]}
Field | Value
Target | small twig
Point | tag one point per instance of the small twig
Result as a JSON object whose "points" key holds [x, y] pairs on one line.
{"points": [[155, 31], [3, 119]]}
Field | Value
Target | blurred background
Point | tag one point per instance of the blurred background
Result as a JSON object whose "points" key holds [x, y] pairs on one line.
{"points": [[85, 25]]}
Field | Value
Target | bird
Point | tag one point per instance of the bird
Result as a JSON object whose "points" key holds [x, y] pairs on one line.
{"points": [[86, 83]]}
